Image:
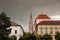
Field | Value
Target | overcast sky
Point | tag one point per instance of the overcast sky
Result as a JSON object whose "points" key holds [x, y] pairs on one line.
{"points": [[19, 10]]}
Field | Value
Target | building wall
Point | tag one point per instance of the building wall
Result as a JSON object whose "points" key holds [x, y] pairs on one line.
{"points": [[40, 20], [19, 31], [42, 29]]}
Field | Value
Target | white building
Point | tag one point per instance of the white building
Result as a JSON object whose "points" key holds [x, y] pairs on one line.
{"points": [[16, 30]]}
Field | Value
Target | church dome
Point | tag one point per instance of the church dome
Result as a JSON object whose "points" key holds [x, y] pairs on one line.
{"points": [[43, 16]]}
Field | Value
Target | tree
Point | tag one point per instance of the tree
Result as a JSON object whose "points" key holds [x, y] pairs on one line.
{"points": [[57, 36], [4, 24], [13, 37], [45, 37], [28, 37], [3, 36]]}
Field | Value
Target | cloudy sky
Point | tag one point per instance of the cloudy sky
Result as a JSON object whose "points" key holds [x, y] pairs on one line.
{"points": [[19, 10]]}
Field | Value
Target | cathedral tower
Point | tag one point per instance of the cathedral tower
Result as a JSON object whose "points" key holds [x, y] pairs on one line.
{"points": [[31, 24]]}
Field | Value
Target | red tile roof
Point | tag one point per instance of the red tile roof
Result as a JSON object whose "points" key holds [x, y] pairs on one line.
{"points": [[52, 22], [43, 16]]}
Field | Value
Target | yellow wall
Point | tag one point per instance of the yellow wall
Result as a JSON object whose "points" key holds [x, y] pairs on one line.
{"points": [[48, 29]]}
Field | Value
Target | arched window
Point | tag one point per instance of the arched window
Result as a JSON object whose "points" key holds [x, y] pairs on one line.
{"points": [[51, 30], [56, 30], [46, 30], [41, 30]]}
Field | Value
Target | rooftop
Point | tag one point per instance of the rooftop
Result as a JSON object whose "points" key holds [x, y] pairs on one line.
{"points": [[51, 22], [43, 16], [14, 24]]}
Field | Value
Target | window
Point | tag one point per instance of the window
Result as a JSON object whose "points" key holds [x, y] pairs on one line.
{"points": [[15, 31], [41, 30], [55, 28], [51, 30], [46, 30]]}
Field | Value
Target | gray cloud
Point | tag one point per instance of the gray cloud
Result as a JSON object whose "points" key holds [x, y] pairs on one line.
{"points": [[19, 10]]}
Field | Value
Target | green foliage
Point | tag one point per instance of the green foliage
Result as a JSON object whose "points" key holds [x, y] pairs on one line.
{"points": [[45, 37], [57, 36], [13, 37], [4, 23], [28, 37], [33, 37], [3, 36]]}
